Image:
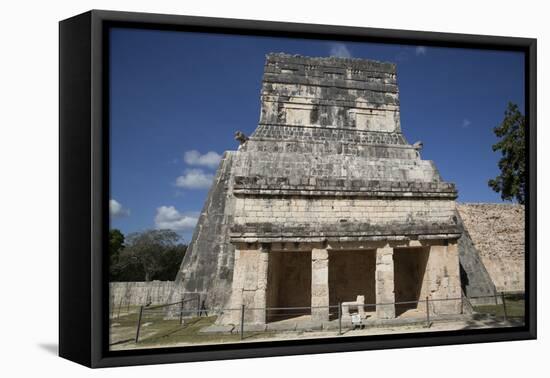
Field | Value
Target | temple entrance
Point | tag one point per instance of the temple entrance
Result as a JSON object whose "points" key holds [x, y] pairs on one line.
{"points": [[351, 273], [409, 266], [288, 285]]}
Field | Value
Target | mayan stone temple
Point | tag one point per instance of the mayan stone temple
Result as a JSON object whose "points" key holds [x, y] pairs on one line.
{"points": [[326, 203]]}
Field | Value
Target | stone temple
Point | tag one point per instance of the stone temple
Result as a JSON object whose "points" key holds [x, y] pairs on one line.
{"points": [[326, 202]]}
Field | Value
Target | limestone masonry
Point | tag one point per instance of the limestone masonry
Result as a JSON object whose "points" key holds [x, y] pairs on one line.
{"points": [[327, 202], [139, 293], [498, 232]]}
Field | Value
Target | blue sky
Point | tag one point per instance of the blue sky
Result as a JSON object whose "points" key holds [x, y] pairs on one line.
{"points": [[177, 98]]}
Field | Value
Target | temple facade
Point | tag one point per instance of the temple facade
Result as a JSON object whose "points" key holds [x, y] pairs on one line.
{"points": [[327, 203]]}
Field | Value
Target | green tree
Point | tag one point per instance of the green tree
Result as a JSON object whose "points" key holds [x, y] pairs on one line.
{"points": [[171, 262], [511, 133], [150, 255], [116, 245]]}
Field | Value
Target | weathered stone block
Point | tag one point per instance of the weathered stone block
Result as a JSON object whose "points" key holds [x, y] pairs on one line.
{"points": [[385, 296]]}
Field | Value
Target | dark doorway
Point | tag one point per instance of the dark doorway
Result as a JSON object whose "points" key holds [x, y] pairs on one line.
{"points": [[351, 273], [409, 266], [288, 285]]}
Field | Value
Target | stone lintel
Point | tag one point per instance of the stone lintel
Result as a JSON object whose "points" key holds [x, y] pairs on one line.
{"points": [[291, 242], [308, 101], [347, 84], [269, 245], [311, 192], [344, 185]]}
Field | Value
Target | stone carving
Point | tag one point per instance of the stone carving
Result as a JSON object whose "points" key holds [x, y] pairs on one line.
{"points": [[240, 137], [358, 305], [418, 147]]}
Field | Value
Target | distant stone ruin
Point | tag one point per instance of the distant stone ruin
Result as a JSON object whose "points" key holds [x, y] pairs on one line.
{"points": [[326, 202]]}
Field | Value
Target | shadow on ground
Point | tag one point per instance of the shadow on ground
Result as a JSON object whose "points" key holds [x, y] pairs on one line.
{"points": [[478, 322], [51, 348]]}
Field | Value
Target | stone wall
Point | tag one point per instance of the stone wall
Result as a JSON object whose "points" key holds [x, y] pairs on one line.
{"points": [[140, 293], [334, 210], [498, 233], [319, 92], [344, 162]]}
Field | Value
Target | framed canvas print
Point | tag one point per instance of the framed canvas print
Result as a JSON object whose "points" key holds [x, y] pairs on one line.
{"points": [[234, 188]]}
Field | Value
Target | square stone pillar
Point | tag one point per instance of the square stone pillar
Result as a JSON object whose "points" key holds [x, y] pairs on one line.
{"points": [[260, 297], [442, 279], [385, 283], [249, 287], [319, 285]]}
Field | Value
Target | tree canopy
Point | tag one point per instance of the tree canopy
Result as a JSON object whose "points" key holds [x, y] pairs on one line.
{"points": [[149, 255], [511, 133], [116, 245]]}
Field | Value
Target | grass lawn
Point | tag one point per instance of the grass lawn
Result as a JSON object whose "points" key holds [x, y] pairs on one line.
{"points": [[157, 331], [514, 308]]}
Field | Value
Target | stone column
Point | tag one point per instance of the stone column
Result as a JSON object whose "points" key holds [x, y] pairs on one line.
{"points": [[249, 286], [319, 285], [232, 316], [443, 279], [385, 283], [260, 301]]}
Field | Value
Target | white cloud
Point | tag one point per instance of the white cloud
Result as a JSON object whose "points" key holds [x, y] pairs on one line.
{"points": [[340, 50], [117, 210], [195, 179], [420, 50], [168, 217], [210, 159], [466, 123]]}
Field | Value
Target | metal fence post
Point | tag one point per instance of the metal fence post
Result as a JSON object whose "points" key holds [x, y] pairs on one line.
{"points": [[427, 312], [181, 310], [339, 318], [199, 305], [496, 298], [139, 323], [242, 321], [504, 306]]}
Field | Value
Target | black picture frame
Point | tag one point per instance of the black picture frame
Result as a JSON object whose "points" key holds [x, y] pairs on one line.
{"points": [[84, 188]]}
